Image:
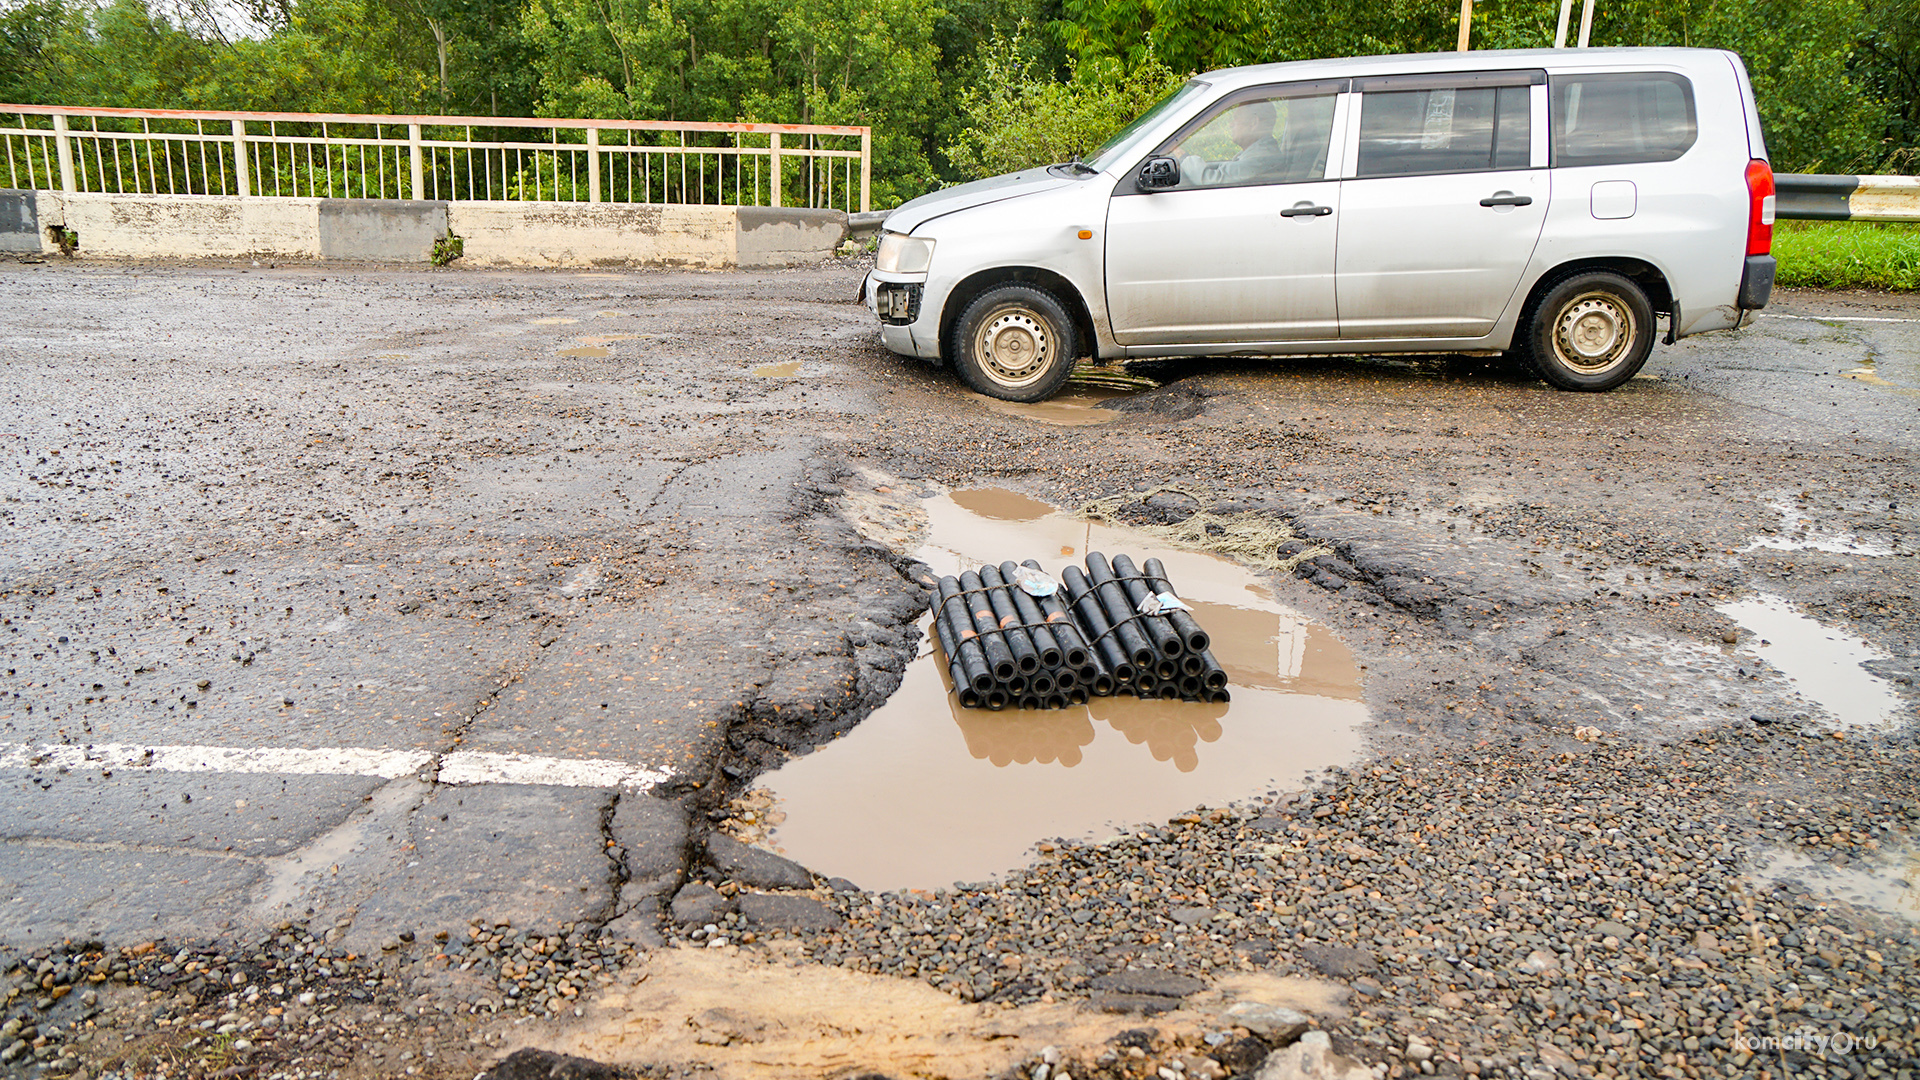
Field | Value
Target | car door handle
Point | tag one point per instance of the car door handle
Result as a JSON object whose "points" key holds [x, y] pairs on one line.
{"points": [[1507, 198], [1306, 209]]}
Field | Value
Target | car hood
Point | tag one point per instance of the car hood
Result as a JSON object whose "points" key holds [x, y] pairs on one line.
{"points": [[918, 212]]}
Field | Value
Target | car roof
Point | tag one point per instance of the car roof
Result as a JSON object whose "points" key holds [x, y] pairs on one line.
{"points": [[1346, 67]]}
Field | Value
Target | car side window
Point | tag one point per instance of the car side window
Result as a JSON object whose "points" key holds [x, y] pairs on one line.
{"points": [[1276, 135], [1417, 126], [1620, 118]]}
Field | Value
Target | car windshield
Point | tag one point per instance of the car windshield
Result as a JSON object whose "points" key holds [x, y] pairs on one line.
{"points": [[1116, 147]]}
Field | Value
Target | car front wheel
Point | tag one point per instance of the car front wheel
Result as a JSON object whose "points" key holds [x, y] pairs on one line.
{"points": [[1016, 343], [1592, 331]]}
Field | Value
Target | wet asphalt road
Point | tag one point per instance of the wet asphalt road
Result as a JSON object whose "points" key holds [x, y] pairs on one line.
{"points": [[387, 566]]}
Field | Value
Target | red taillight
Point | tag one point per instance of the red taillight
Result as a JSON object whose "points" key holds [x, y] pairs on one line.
{"points": [[1759, 207]]}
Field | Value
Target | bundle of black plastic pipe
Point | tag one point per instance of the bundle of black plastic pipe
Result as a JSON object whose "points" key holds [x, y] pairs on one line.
{"points": [[1184, 665], [1106, 631], [1004, 649], [1105, 644], [982, 657], [1090, 672]]}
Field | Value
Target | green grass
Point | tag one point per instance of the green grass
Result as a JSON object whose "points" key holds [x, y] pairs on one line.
{"points": [[1848, 254]]}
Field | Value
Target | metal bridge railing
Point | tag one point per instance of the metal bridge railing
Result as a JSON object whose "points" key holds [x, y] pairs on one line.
{"points": [[472, 158]]}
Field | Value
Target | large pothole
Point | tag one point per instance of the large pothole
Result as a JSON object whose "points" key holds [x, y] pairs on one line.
{"points": [[925, 793]]}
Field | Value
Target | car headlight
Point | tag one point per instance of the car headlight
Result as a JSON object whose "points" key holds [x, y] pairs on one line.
{"points": [[903, 254]]}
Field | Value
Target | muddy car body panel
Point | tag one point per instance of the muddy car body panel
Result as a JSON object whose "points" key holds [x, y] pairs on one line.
{"points": [[1432, 203]]}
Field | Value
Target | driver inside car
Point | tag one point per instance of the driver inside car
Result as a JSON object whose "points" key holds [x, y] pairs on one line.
{"points": [[1250, 126]]}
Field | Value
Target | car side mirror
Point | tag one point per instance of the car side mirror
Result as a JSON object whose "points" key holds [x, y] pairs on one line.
{"points": [[1158, 174]]}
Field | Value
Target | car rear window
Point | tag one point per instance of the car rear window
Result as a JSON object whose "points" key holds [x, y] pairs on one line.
{"points": [[1616, 119]]}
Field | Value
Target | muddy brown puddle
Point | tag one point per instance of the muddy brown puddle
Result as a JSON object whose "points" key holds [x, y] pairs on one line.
{"points": [[1075, 406], [925, 793]]}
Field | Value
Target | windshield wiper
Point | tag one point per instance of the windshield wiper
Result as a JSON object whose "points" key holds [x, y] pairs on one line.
{"points": [[1079, 167]]}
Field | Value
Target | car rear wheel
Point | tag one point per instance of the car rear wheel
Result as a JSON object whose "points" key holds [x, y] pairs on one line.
{"points": [[1592, 331], [1016, 343]]}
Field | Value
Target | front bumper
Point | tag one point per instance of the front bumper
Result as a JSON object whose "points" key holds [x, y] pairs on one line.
{"points": [[898, 302]]}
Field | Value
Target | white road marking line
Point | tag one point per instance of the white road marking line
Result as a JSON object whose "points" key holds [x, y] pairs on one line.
{"points": [[459, 767], [346, 761], [1833, 318], [474, 767]]}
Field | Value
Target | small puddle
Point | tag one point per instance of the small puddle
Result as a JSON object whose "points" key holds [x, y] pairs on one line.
{"points": [[594, 346], [1799, 533], [1822, 663], [1890, 883], [786, 369], [554, 320], [1075, 406], [1078, 402], [924, 793]]}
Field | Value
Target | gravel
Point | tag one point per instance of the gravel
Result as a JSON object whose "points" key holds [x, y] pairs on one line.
{"points": [[289, 1004], [1492, 910]]}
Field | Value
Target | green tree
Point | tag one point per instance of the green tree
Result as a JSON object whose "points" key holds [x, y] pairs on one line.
{"points": [[1888, 61], [806, 61], [1018, 118]]}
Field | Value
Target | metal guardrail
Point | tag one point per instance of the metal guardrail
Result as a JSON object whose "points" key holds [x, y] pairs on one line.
{"points": [[472, 158], [1830, 197]]}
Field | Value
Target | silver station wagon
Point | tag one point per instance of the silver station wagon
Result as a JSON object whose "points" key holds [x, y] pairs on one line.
{"points": [[1554, 205]]}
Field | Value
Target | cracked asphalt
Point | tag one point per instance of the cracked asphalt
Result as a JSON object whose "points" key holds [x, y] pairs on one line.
{"points": [[377, 568]]}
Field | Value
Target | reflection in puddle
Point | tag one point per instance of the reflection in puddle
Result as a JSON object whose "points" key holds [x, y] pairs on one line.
{"points": [[554, 320], [784, 370], [925, 793], [1822, 663], [1890, 883], [1800, 534], [588, 351]]}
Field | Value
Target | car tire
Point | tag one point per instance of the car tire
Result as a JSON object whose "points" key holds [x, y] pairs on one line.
{"points": [[1016, 343], [1591, 331]]}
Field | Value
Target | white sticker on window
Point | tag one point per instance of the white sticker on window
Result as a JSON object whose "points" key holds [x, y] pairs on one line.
{"points": [[1438, 133]]}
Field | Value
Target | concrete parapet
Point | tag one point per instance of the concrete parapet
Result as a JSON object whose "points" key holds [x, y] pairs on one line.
{"points": [[594, 234], [19, 222], [773, 236], [382, 230], [186, 226]]}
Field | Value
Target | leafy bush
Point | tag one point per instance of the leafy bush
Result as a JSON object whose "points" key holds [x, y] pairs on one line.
{"points": [[1017, 119]]}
